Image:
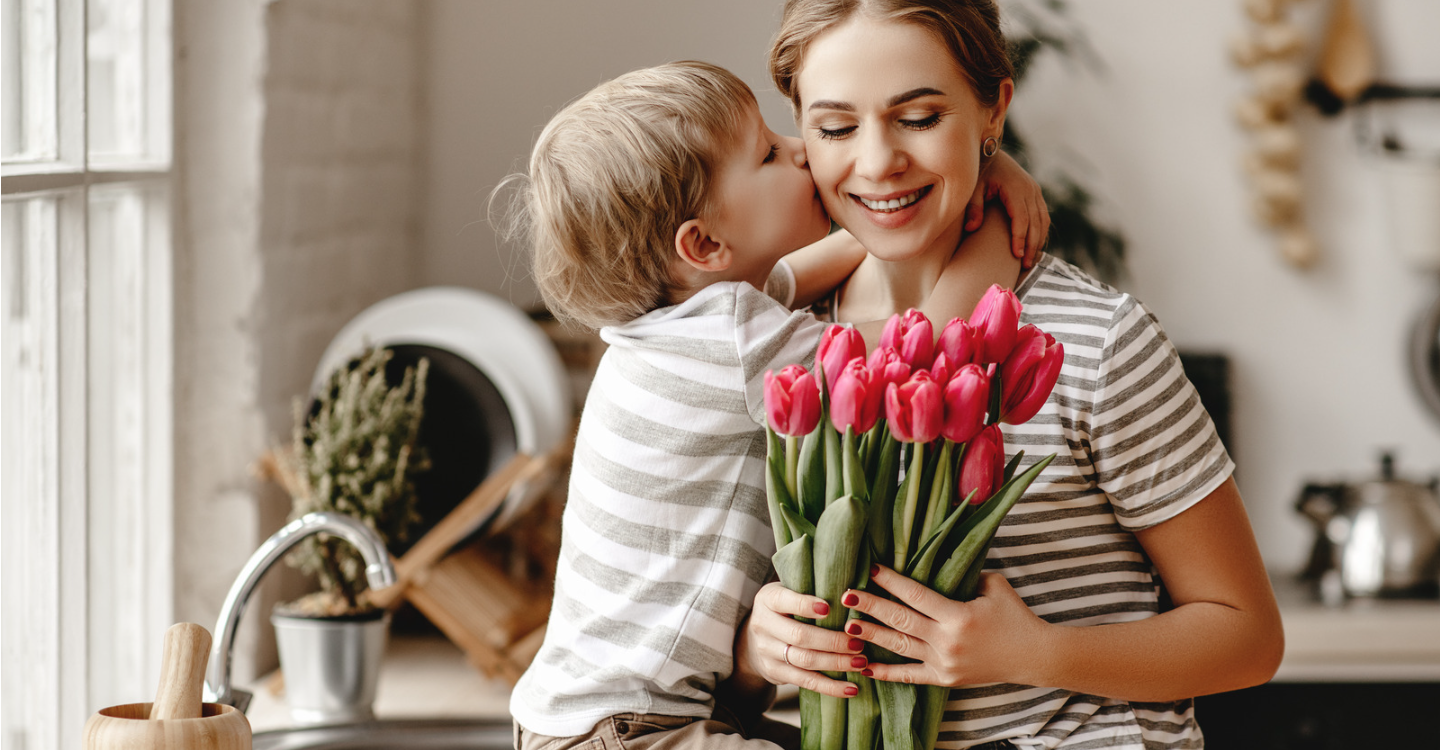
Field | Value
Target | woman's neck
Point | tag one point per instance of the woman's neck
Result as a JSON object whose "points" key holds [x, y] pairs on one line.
{"points": [[879, 288]]}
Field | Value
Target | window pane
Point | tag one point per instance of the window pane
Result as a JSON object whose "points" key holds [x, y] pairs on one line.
{"points": [[121, 337], [115, 72], [29, 505], [29, 61]]}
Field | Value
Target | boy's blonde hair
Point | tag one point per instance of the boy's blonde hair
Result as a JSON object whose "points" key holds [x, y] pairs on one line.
{"points": [[614, 175]]}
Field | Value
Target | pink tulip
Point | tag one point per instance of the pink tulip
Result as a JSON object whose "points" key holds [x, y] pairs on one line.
{"points": [[941, 371], [982, 468], [885, 362], [967, 401], [856, 398], [915, 409], [912, 336], [792, 401], [1029, 374], [838, 346], [995, 318], [960, 343]]}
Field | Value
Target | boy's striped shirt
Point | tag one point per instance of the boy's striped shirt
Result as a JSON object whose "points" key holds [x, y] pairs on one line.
{"points": [[666, 534]]}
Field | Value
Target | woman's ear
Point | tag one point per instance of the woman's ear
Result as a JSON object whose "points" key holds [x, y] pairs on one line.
{"points": [[701, 251], [996, 124]]}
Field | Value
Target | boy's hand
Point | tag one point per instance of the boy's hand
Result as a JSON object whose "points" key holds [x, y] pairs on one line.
{"points": [[1002, 177]]}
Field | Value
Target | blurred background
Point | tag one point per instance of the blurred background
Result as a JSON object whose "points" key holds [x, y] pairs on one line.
{"points": [[295, 161]]}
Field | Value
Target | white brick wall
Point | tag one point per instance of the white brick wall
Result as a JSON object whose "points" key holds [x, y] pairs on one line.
{"points": [[298, 148]]}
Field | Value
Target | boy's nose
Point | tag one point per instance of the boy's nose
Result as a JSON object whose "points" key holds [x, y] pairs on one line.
{"points": [[796, 147]]}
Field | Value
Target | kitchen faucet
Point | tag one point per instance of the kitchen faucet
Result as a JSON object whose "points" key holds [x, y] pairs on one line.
{"points": [[379, 572]]}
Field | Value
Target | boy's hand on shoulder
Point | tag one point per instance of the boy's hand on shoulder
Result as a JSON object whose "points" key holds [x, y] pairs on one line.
{"points": [[1002, 177]]}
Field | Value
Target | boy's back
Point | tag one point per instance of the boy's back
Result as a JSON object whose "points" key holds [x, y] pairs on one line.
{"points": [[665, 533]]}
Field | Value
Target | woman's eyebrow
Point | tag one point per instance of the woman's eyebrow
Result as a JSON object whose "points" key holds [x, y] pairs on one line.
{"points": [[912, 95], [894, 101]]}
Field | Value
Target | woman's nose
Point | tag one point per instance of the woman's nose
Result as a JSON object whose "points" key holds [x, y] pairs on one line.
{"points": [[877, 157]]}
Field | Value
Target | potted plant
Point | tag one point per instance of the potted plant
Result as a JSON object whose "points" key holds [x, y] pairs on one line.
{"points": [[353, 451]]}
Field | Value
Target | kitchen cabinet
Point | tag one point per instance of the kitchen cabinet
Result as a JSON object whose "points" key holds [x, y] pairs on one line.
{"points": [[1362, 674]]}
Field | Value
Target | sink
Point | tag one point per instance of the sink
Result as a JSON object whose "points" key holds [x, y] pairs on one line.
{"points": [[393, 734]]}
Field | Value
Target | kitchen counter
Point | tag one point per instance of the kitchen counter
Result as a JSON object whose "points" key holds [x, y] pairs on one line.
{"points": [[1360, 640], [422, 677]]}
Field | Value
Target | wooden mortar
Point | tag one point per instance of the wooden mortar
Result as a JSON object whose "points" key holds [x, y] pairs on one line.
{"points": [[177, 720]]}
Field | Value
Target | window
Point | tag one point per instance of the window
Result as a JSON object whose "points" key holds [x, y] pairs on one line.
{"points": [[85, 362]]}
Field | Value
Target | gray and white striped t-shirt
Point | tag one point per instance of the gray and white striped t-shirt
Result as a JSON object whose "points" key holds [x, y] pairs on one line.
{"points": [[666, 534], [1134, 448]]}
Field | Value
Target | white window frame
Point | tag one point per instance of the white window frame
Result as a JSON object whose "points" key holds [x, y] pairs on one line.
{"points": [[102, 459]]}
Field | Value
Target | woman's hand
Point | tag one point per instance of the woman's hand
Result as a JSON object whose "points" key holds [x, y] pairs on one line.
{"points": [[987, 639], [783, 650], [1002, 177]]}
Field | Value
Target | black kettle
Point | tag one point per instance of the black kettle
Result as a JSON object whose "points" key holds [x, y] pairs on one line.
{"points": [[1382, 536]]}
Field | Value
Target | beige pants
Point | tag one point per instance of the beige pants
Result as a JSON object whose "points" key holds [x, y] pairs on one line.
{"points": [[654, 732]]}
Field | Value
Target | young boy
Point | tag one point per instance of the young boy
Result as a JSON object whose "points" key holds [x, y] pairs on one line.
{"points": [[659, 205]]}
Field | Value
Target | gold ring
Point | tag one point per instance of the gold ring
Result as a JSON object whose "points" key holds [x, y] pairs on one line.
{"points": [[787, 655]]}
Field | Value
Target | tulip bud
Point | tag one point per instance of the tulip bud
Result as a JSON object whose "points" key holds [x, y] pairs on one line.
{"points": [[982, 468], [912, 336], [792, 401], [886, 364], [941, 371], [995, 318], [1029, 374], [838, 345], [960, 343], [967, 402], [856, 398], [915, 409]]}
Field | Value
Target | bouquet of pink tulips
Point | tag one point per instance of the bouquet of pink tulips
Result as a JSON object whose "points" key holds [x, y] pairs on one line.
{"points": [[909, 470]]}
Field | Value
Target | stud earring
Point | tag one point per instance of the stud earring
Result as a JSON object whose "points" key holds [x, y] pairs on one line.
{"points": [[990, 147]]}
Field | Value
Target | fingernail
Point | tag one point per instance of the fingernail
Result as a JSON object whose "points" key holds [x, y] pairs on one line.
{"points": [[822, 608], [855, 644], [850, 599], [867, 673], [853, 628], [852, 691], [858, 661], [874, 569]]}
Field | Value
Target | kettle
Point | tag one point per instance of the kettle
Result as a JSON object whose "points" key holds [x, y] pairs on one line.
{"points": [[1381, 536]]}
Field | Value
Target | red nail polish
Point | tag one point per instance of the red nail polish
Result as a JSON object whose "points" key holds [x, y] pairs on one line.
{"points": [[850, 600], [852, 691], [873, 570], [855, 644], [867, 673], [853, 628], [822, 608], [858, 661]]}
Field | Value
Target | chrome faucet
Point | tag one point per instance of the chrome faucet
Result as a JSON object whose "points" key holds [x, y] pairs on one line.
{"points": [[379, 572]]}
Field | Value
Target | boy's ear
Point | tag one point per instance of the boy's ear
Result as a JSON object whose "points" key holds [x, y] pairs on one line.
{"points": [[699, 250]]}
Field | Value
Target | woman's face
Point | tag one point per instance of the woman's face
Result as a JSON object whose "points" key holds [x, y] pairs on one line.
{"points": [[893, 131]]}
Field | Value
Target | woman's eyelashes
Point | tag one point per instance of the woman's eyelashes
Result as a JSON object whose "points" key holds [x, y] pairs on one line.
{"points": [[770, 155], [836, 133]]}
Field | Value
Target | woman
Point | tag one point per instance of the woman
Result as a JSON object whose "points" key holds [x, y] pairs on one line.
{"points": [[1068, 644]]}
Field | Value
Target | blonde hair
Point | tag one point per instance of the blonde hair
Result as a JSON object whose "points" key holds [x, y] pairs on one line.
{"points": [[613, 176], [969, 28]]}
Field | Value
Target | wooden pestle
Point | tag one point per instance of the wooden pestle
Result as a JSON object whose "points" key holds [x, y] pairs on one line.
{"points": [[177, 720], [182, 672]]}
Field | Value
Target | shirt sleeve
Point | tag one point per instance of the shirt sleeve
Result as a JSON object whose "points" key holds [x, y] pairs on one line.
{"points": [[1155, 449], [768, 337], [780, 286]]}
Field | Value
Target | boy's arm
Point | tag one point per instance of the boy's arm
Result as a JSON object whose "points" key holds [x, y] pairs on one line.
{"points": [[1004, 178], [820, 267], [982, 259]]}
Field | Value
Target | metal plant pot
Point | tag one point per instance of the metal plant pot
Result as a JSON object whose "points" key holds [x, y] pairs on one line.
{"points": [[331, 665]]}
